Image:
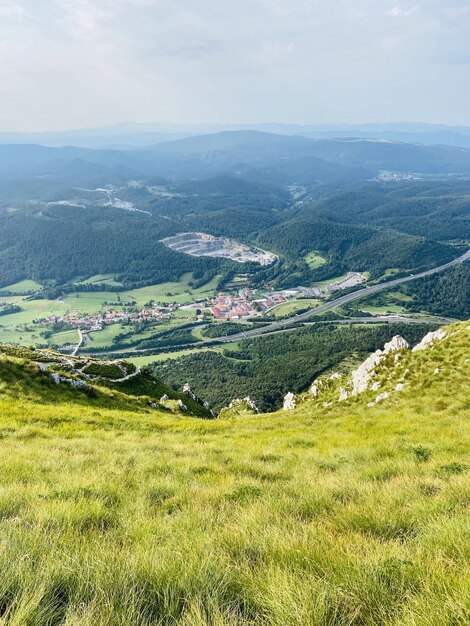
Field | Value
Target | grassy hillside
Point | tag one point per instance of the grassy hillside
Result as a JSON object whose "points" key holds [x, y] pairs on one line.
{"points": [[339, 515]]}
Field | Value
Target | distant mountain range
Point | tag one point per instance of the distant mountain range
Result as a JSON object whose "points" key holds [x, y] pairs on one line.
{"points": [[255, 155], [138, 135]]}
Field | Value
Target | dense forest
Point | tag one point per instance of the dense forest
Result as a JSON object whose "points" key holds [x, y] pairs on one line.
{"points": [[267, 368], [447, 294], [355, 224]]}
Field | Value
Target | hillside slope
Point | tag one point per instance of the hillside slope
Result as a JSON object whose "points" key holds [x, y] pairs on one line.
{"points": [[334, 513]]}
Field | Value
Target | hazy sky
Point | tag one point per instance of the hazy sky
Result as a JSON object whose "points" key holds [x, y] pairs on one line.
{"points": [[78, 63]]}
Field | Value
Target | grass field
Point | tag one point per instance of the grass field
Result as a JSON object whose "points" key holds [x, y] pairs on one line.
{"points": [[24, 287], [180, 292], [314, 260], [287, 308], [164, 356], [105, 279], [64, 337], [342, 516]]}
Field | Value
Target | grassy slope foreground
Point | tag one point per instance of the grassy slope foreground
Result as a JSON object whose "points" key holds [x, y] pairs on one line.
{"points": [[335, 516]]}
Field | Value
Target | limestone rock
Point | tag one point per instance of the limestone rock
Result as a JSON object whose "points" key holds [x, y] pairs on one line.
{"points": [[290, 401], [246, 403], [56, 378], [343, 394], [429, 339], [400, 387], [396, 344], [375, 386], [362, 376], [187, 390], [182, 406], [164, 399], [382, 396]]}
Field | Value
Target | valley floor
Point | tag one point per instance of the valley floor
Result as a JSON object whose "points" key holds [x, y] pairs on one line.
{"points": [[323, 516]]}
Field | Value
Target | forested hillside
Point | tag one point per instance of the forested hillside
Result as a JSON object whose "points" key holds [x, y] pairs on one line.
{"points": [[267, 368]]}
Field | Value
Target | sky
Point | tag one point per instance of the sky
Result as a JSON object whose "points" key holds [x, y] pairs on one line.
{"points": [[82, 63]]}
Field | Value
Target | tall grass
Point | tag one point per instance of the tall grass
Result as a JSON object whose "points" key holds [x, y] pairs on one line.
{"points": [[335, 517]]}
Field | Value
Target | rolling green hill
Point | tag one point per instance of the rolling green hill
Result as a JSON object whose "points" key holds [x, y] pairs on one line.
{"points": [[333, 513]]}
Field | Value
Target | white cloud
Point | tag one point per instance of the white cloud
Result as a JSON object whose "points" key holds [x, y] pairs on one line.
{"points": [[13, 10], [400, 12], [86, 62]]}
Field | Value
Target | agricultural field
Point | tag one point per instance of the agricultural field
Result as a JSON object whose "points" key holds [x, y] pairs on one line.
{"points": [[180, 292], [23, 287]]}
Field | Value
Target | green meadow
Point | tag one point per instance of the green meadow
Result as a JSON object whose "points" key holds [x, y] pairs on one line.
{"points": [[330, 516]]}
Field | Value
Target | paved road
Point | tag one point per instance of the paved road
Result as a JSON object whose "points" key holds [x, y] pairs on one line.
{"points": [[283, 325], [80, 341], [360, 293]]}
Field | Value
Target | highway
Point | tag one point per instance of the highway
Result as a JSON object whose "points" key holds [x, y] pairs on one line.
{"points": [[288, 323], [350, 297]]}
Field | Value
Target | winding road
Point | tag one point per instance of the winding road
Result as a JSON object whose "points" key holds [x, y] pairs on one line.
{"points": [[288, 323], [349, 297]]}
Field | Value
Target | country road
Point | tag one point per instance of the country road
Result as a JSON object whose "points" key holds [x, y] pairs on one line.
{"points": [[269, 328], [288, 323]]}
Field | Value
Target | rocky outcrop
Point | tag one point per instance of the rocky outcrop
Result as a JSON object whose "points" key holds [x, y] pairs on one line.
{"points": [[58, 380], [429, 339], [182, 406], [362, 376], [239, 406], [290, 401], [188, 391]]}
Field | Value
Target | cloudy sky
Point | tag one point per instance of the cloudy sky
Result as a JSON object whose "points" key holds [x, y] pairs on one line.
{"points": [[81, 63]]}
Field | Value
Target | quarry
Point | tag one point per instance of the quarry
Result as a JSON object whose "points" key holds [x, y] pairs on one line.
{"points": [[202, 244]]}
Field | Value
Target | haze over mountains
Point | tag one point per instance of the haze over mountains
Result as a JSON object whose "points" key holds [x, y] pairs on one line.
{"points": [[269, 157], [137, 135]]}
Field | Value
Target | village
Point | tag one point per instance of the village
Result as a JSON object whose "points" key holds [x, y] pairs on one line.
{"points": [[96, 322], [244, 304], [247, 305]]}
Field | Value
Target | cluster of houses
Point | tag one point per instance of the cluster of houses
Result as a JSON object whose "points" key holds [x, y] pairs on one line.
{"points": [[233, 307], [95, 322], [245, 305]]}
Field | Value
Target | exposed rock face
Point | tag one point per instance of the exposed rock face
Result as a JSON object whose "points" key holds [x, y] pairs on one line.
{"points": [[362, 376], [247, 402], [68, 381], [343, 394], [379, 398], [238, 407], [382, 396], [182, 406], [187, 390], [397, 343], [314, 390], [429, 339], [164, 399], [290, 401], [335, 376], [400, 387]]}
